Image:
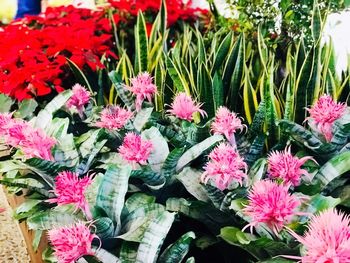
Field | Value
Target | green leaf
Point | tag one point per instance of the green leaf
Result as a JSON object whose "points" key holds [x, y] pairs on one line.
{"points": [[316, 22], [26, 108], [169, 166], [36, 240], [177, 251], [320, 203], [104, 256], [5, 103], [257, 171], [142, 117], [128, 252], [221, 53], [137, 200], [334, 168], [190, 260], [179, 82], [111, 194], [190, 178], [79, 75], [152, 179], [197, 150], [124, 94], [141, 44], [51, 219], [86, 163], [218, 91], [104, 227], [41, 166], [153, 238]]}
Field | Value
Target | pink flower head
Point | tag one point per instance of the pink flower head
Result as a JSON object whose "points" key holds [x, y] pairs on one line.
{"points": [[36, 143], [5, 120], [15, 132], [71, 242], [79, 98], [225, 166], [183, 107], [226, 123], [327, 239], [143, 88], [70, 189], [114, 118], [283, 165], [270, 204], [135, 149], [324, 113]]}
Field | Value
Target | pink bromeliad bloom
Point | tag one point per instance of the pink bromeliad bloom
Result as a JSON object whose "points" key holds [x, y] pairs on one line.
{"points": [[70, 189], [79, 98], [5, 121], [224, 167], [71, 242], [183, 107], [327, 239], [143, 88], [134, 149], [114, 118], [270, 204], [283, 165], [36, 143], [324, 113], [226, 123]]}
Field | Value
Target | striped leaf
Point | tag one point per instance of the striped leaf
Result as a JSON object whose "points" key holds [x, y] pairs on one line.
{"points": [[222, 52], [151, 178], [111, 194], [123, 93], [51, 219], [128, 252], [104, 256], [141, 44], [142, 118], [177, 251], [153, 238], [169, 166], [104, 227]]}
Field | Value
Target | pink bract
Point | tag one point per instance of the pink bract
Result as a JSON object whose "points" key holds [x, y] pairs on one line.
{"points": [[183, 107], [324, 113], [114, 118], [283, 165], [270, 204], [70, 189], [224, 167], [134, 149], [79, 98], [226, 123], [71, 242], [143, 88], [327, 239]]}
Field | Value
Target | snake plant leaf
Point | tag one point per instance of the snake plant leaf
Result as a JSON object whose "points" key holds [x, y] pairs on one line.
{"points": [[160, 149], [151, 178], [51, 219], [197, 150], [177, 251], [141, 44], [124, 94], [153, 238], [222, 53], [104, 227], [44, 117], [111, 194], [190, 178], [334, 168], [169, 166]]}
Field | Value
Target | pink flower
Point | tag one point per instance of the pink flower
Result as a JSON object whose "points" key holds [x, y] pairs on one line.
{"points": [[324, 113], [114, 118], [36, 143], [134, 149], [183, 107], [79, 98], [15, 132], [71, 242], [5, 120], [225, 166], [70, 189], [283, 165], [270, 204], [327, 239], [226, 123], [143, 88]]}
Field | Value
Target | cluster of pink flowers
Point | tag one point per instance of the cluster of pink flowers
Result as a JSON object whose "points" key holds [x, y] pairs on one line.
{"points": [[114, 118], [327, 239], [70, 189], [143, 88], [134, 149], [183, 107], [286, 167], [226, 123], [20, 134], [71, 242], [225, 166], [324, 113], [270, 204], [79, 98]]}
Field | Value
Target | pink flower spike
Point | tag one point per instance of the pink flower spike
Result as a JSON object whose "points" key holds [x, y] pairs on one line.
{"points": [[283, 165], [225, 166], [226, 123], [324, 113], [143, 88], [114, 118], [70, 189], [270, 204], [79, 98], [327, 239], [134, 149], [71, 242], [184, 107]]}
